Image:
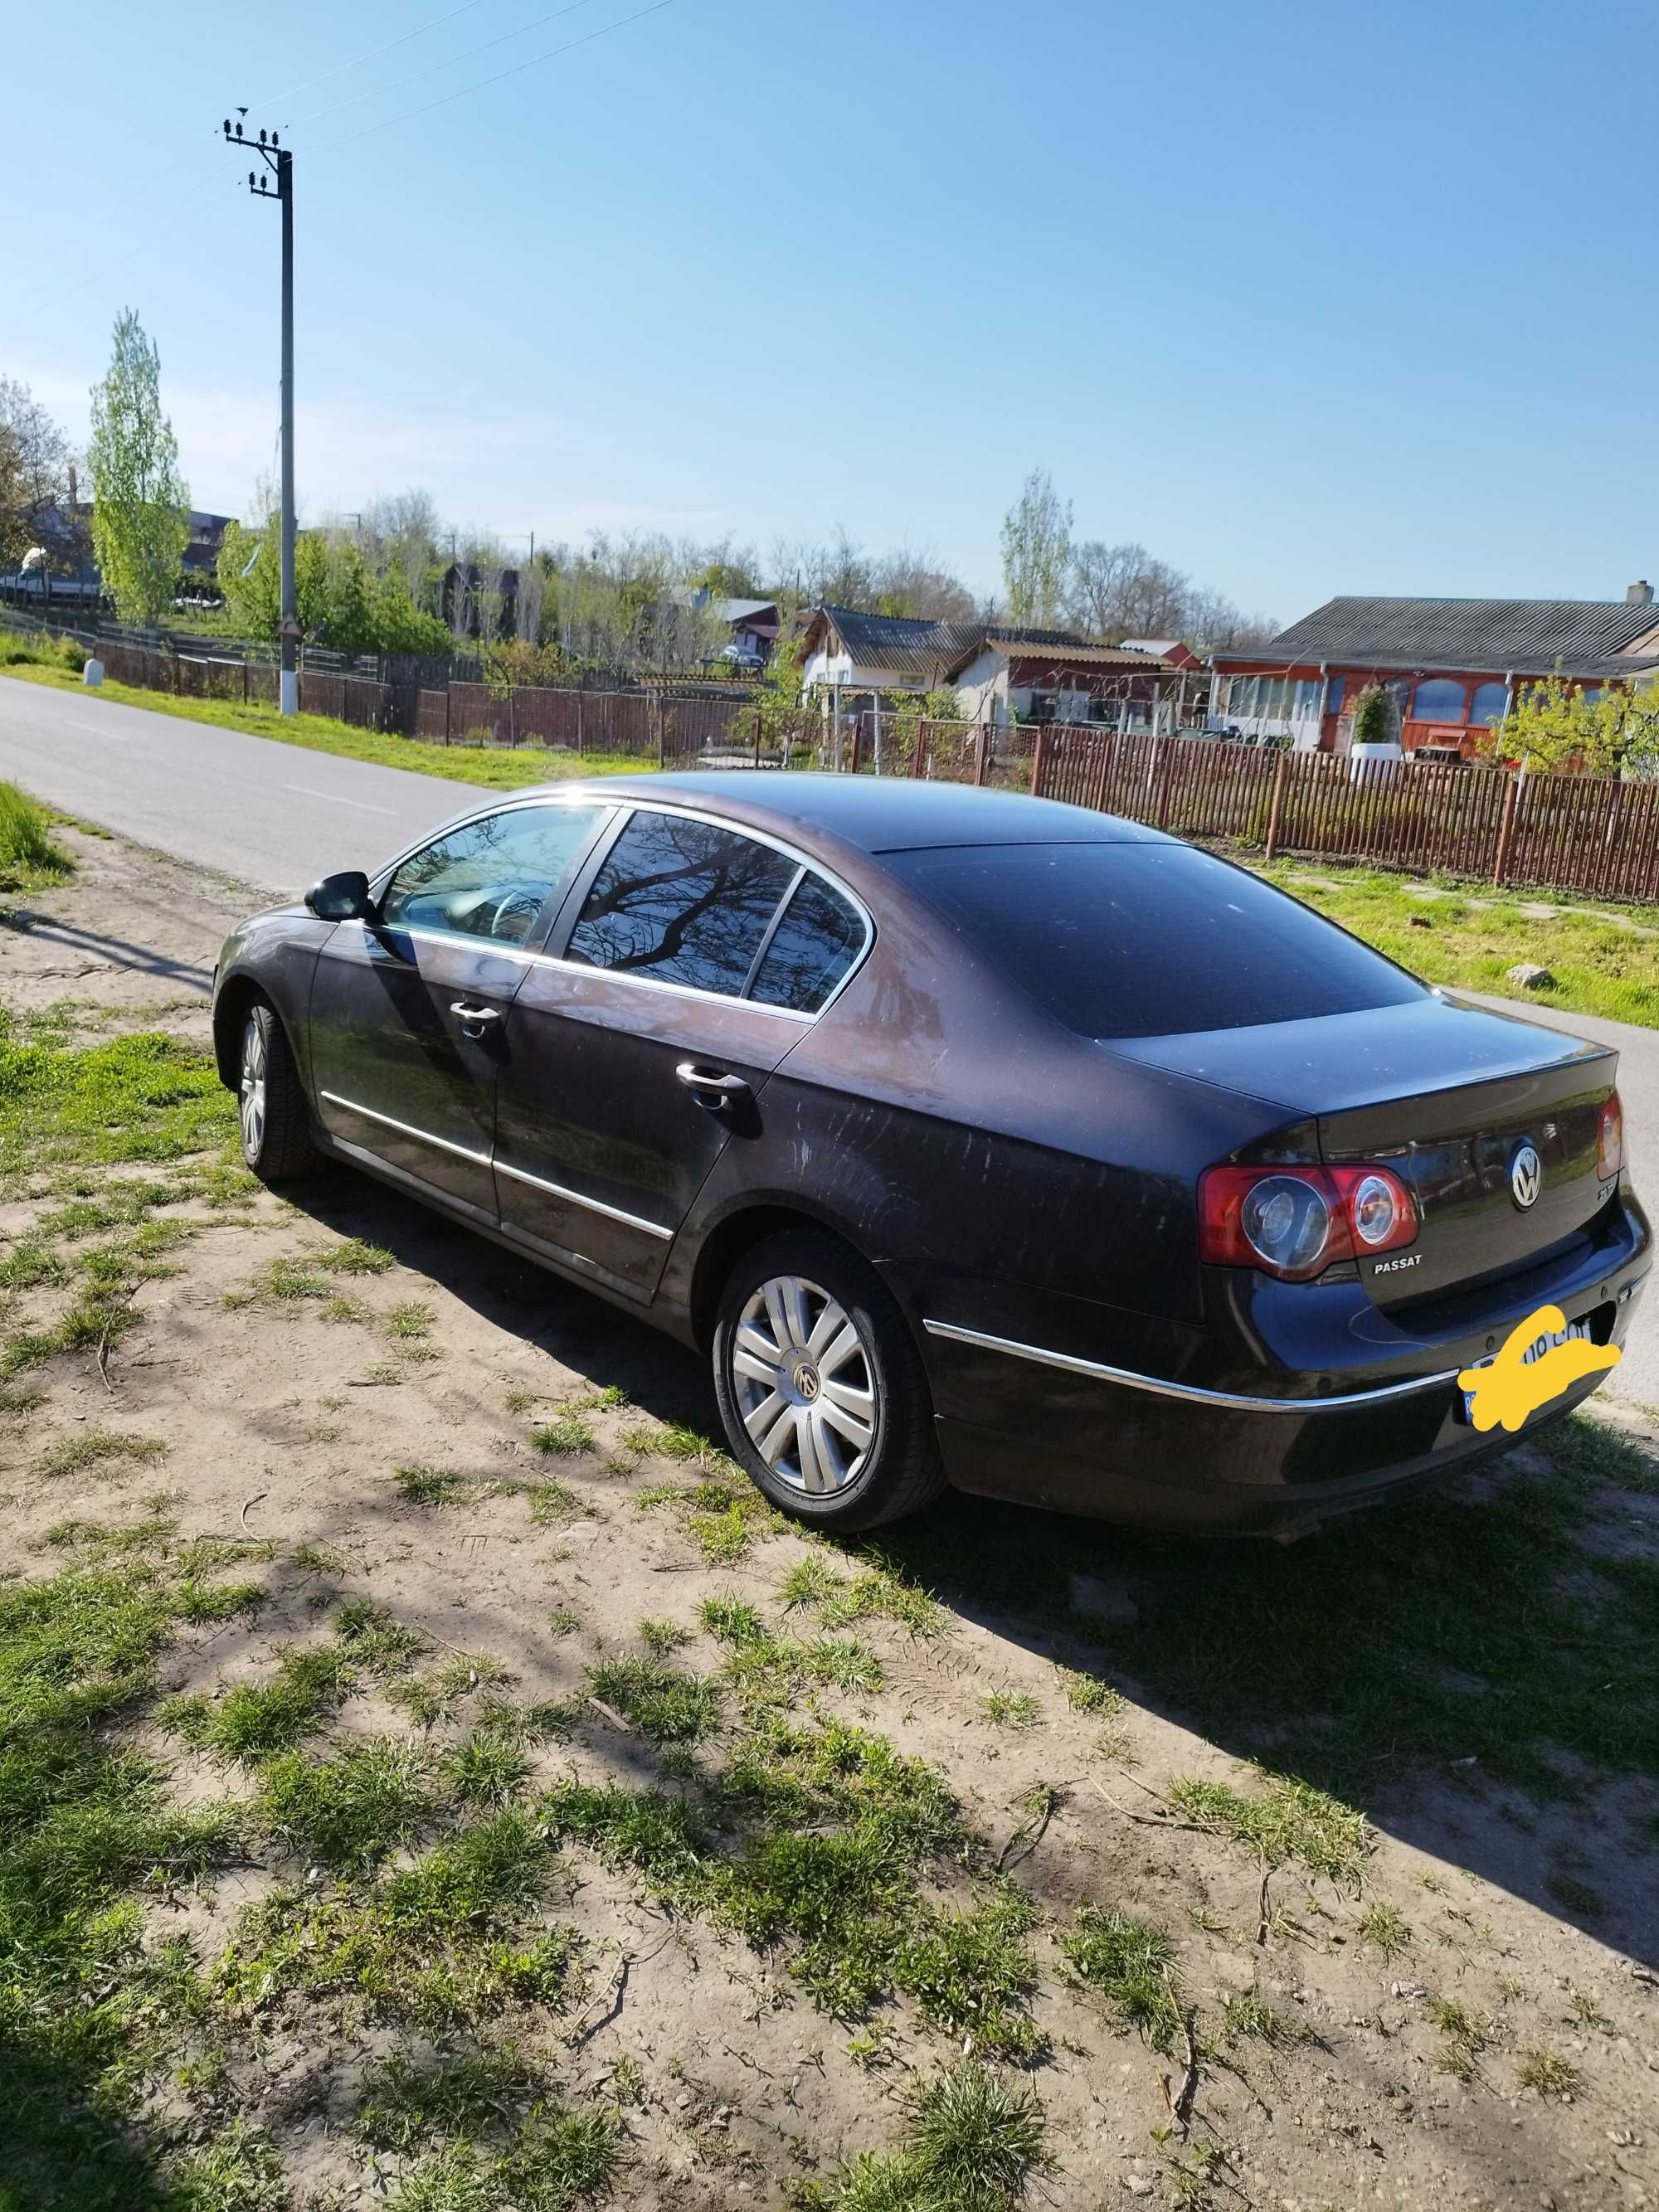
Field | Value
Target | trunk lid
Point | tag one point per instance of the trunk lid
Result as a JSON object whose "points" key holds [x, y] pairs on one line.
{"points": [[1448, 1096]]}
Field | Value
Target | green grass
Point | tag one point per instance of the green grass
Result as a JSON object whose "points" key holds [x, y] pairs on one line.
{"points": [[1385, 1927], [563, 1437], [1549, 2073], [1015, 1708], [1282, 1822], [722, 1516], [347, 1813], [972, 2143], [1467, 938], [1246, 2014], [1128, 1962], [29, 860], [75, 1454], [252, 1721], [501, 767], [660, 1700]]}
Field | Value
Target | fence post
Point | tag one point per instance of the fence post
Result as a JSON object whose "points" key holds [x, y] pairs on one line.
{"points": [[447, 704], [1505, 833], [662, 739], [1281, 769], [244, 679], [581, 693], [1164, 765], [512, 714], [757, 736], [1039, 757], [858, 744], [982, 763]]}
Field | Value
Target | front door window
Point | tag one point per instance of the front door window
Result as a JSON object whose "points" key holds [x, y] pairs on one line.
{"points": [[490, 878]]}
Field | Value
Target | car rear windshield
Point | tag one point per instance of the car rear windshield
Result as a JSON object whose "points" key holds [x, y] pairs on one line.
{"points": [[1150, 940]]}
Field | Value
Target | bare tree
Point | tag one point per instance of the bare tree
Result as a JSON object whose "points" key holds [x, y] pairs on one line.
{"points": [[36, 468]]}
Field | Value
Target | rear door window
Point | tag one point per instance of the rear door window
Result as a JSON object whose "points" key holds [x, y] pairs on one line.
{"points": [[818, 937], [1150, 940], [682, 902]]}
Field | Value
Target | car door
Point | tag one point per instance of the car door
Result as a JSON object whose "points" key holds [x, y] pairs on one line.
{"points": [[409, 1008], [641, 1044]]}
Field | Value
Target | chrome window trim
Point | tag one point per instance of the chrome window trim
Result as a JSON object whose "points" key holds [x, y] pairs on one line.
{"points": [[408, 1129], [609, 834], [592, 1205], [1232, 1400]]}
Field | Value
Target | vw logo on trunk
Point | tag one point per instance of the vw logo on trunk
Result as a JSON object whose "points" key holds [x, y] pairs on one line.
{"points": [[1526, 1176]]}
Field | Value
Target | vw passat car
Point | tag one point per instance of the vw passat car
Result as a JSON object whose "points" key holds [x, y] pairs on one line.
{"points": [[971, 1138]]}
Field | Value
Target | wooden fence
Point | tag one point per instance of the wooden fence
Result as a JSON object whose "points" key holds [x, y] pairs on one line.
{"points": [[1596, 835]]}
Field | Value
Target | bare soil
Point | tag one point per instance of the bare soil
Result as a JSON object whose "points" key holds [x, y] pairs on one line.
{"points": [[282, 1424]]}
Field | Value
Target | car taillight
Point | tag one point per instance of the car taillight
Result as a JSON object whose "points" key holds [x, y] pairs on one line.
{"points": [[1296, 1222], [1610, 1138]]}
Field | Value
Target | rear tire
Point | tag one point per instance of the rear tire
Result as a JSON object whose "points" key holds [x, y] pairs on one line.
{"points": [[275, 1116], [821, 1388]]}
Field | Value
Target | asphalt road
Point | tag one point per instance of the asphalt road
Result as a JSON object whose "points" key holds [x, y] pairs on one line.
{"points": [[277, 817]]}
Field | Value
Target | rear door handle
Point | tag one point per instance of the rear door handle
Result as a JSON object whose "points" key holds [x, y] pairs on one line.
{"points": [[474, 1020], [714, 1091]]}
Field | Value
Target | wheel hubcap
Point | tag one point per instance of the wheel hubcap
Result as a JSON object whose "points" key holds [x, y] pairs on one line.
{"points": [[253, 1087], [805, 1384]]}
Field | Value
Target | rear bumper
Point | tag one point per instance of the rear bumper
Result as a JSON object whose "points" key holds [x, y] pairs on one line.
{"points": [[1077, 1434]]}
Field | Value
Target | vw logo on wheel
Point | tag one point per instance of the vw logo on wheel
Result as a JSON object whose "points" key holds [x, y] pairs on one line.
{"points": [[1526, 1176]]}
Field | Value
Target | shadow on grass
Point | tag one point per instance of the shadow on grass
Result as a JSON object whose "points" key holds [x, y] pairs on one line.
{"points": [[1476, 1668]]}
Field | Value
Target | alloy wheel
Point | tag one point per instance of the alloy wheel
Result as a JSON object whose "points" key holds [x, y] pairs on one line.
{"points": [[805, 1383], [252, 1087]]}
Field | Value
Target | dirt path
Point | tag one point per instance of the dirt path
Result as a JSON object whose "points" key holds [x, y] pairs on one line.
{"points": [[1437, 1986]]}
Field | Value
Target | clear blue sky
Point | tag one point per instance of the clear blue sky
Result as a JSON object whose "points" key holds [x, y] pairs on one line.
{"points": [[1310, 299]]}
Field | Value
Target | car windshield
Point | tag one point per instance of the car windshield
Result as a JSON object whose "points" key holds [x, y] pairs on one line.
{"points": [[1150, 940]]}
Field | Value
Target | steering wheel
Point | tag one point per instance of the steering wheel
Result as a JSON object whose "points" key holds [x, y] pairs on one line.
{"points": [[511, 905]]}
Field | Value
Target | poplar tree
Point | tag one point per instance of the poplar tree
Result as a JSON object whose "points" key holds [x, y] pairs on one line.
{"points": [[141, 509]]}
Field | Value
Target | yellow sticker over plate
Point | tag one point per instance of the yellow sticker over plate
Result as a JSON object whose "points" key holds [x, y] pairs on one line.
{"points": [[1545, 1356]]}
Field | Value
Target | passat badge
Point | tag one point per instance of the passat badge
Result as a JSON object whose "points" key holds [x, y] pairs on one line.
{"points": [[1526, 1178]]}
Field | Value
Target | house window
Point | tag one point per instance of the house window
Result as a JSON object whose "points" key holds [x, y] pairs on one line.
{"points": [[1439, 700], [1109, 711], [1333, 697], [1487, 704]]}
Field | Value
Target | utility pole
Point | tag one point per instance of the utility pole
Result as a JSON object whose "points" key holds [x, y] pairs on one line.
{"points": [[279, 162]]}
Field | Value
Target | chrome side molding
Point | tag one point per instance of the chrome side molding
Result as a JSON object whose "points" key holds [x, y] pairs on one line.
{"points": [[1232, 1399]]}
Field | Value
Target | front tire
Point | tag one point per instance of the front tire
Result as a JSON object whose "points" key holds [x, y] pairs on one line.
{"points": [[270, 1101], [821, 1388]]}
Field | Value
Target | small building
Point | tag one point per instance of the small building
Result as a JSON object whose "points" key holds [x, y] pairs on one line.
{"points": [[1451, 667], [848, 653], [1051, 675], [998, 672]]}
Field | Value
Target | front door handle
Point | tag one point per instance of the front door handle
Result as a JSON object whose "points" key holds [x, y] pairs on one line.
{"points": [[714, 1091], [474, 1020]]}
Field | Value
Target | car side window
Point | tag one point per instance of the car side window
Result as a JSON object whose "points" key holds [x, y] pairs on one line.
{"points": [[682, 901], [490, 878], [815, 943]]}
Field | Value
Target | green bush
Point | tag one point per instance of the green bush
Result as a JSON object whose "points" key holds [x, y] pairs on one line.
{"points": [[39, 650]]}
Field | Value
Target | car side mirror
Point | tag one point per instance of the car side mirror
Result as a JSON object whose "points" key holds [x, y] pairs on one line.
{"points": [[342, 898]]}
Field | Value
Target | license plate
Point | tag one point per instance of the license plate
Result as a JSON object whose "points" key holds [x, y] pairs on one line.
{"points": [[1534, 1351]]}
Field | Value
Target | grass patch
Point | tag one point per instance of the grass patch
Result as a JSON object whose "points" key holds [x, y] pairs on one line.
{"points": [[446, 1942], [409, 1323], [1549, 2073], [1015, 1708], [1468, 937], [564, 1436], [562, 2161], [254, 1721], [347, 1813], [551, 1502], [1245, 2013], [767, 1670], [30, 859], [881, 1592], [1385, 1927], [403, 2104], [1284, 1822], [143, 1097], [1129, 1962], [971, 2142], [660, 1700], [721, 1516], [1465, 2032], [73, 1454], [501, 767]]}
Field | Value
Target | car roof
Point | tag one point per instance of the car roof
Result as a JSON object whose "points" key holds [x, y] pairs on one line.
{"points": [[876, 814]]}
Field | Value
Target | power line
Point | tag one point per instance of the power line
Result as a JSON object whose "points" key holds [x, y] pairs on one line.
{"points": [[450, 62], [340, 68], [443, 99]]}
